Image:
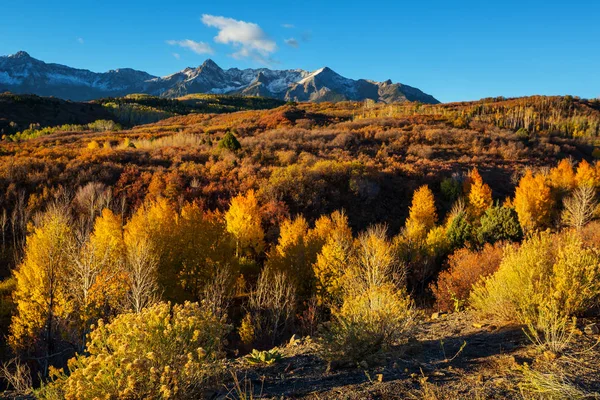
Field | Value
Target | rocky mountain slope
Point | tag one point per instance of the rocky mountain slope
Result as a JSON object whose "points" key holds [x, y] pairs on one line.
{"points": [[21, 73]]}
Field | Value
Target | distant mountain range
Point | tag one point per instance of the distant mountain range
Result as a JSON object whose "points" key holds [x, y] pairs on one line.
{"points": [[21, 73]]}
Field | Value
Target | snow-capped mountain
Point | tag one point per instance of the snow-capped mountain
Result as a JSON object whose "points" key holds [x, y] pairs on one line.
{"points": [[21, 73]]}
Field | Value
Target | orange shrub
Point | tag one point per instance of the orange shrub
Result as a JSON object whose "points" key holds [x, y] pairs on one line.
{"points": [[466, 267]]}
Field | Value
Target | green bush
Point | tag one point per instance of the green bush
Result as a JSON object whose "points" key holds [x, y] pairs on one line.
{"points": [[499, 224], [523, 134], [451, 189], [230, 142], [459, 231]]}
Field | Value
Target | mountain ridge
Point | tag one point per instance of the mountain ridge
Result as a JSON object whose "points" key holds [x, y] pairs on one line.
{"points": [[21, 73]]}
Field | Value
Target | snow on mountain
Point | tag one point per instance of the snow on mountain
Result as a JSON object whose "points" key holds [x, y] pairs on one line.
{"points": [[21, 73]]}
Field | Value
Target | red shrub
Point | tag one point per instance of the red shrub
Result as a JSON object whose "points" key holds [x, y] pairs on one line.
{"points": [[466, 267]]}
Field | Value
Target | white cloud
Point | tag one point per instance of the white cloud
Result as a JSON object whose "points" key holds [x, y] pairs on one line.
{"points": [[196, 47], [249, 40], [288, 26], [80, 40], [176, 55], [292, 42]]}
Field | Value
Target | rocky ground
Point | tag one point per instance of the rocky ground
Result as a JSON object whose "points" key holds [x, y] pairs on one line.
{"points": [[454, 356], [451, 356]]}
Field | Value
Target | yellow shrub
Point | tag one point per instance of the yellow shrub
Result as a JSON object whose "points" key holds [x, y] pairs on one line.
{"points": [[246, 330], [162, 352], [93, 145], [546, 269], [369, 322]]}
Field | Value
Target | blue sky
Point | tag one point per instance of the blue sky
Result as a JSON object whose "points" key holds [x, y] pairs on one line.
{"points": [[460, 50]]}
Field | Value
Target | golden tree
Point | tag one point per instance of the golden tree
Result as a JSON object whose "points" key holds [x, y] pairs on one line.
{"points": [[40, 296], [328, 225], [155, 225], [422, 214], [244, 223], [562, 176], [533, 201], [586, 175], [95, 278], [293, 254], [207, 253], [480, 194], [332, 260]]}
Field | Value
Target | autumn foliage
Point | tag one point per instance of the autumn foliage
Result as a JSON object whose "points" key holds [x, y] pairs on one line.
{"points": [[332, 220]]}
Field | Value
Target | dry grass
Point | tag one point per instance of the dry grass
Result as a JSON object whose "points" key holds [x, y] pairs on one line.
{"points": [[551, 386], [177, 140]]}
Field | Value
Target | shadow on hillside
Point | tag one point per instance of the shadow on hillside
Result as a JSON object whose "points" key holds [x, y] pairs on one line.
{"points": [[307, 373]]}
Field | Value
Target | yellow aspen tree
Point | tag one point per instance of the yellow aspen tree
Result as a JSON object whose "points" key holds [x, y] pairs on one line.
{"points": [[330, 267], [41, 296], [207, 251], [95, 275], [480, 194], [155, 229], [533, 202], [422, 214], [107, 242], [562, 176], [335, 237], [294, 255], [327, 225], [586, 175], [244, 223]]}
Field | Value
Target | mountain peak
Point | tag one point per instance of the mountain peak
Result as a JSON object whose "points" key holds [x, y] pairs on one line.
{"points": [[20, 54], [210, 64], [20, 73], [326, 73]]}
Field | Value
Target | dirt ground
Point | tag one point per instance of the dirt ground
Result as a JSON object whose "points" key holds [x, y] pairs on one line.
{"points": [[455, 356]]}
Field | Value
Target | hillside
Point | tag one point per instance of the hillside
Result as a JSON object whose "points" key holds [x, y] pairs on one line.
{"points": [[21, 73], [310, 250], [19, 113], [315, 158]]}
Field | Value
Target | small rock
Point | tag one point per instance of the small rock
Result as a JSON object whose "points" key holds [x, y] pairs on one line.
{"points": [[437, 315], [478, 325], [591, 329], [363, 364]]}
